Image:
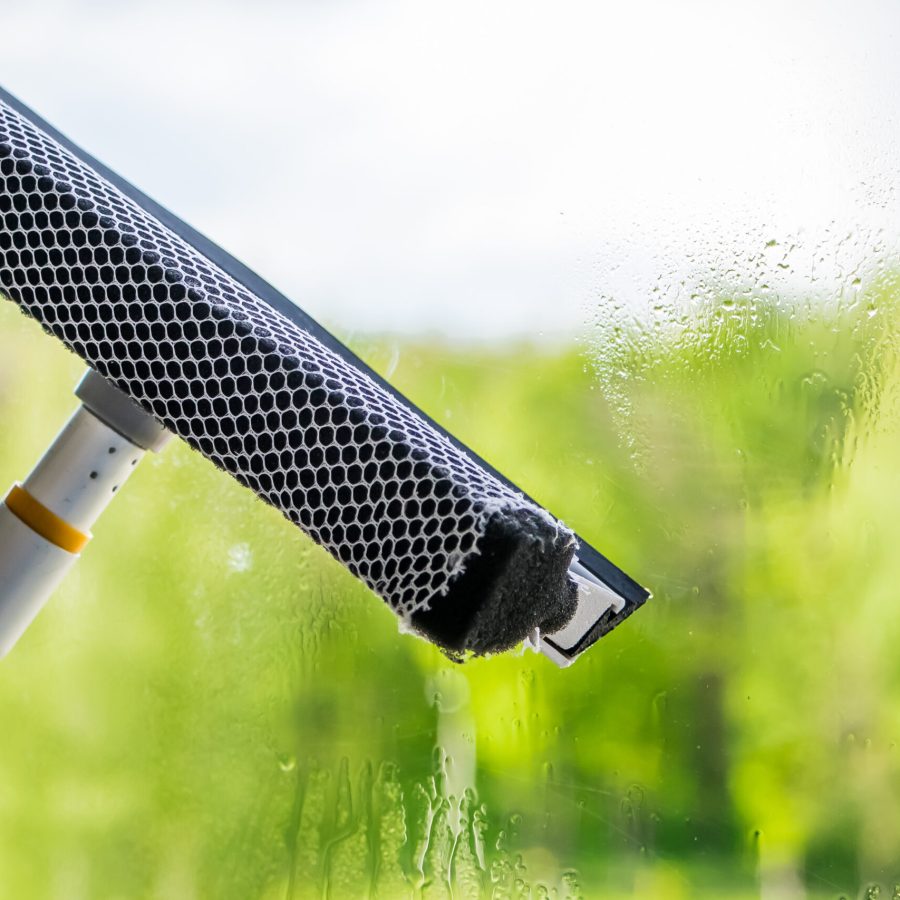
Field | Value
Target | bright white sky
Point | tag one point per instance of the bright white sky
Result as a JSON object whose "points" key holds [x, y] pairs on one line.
{"points": [[489, 167]]}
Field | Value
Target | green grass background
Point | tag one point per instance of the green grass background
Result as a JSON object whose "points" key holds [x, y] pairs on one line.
{"points": [[212, 707]]}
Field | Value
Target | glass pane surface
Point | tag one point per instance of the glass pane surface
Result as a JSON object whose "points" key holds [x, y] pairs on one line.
{"points": [[644, 261]]}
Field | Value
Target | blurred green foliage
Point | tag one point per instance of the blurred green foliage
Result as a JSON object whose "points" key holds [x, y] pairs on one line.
{"points": [[212, 707]]}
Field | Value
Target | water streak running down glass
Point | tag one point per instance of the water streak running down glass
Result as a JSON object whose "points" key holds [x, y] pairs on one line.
{"points": [[647, 261]]}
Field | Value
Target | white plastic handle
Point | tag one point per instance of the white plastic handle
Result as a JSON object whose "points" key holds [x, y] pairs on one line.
{"points": [[31, 568], [74, 481]]}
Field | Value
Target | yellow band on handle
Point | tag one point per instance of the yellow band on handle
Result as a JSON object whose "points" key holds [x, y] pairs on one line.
{"points": [[44, 521]]}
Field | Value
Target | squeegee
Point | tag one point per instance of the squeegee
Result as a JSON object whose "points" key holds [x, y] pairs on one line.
{"points": [[182, 339]]}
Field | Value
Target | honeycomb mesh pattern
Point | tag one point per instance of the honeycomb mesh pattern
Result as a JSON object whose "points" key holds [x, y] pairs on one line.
{"points": [[265, 400]]}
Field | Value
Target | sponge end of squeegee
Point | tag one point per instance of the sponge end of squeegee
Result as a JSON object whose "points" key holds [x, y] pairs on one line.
{"points": [[517, 581]]}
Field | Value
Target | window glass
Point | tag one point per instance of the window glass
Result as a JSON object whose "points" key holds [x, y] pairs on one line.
{"points": [[644, 259]]}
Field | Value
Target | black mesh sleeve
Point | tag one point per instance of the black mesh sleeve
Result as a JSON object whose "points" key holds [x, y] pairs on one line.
{"points": [[268, 396]]}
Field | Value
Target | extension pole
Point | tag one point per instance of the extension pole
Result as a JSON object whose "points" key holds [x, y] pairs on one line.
{"points": [[45, 522]]}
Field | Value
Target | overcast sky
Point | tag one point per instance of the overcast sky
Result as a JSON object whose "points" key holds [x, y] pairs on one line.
{"points": [[484, 167]]}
